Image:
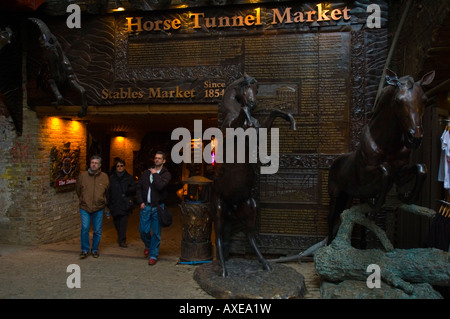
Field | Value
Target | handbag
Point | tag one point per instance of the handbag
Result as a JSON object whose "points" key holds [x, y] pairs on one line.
{"points": [[165, 216], [129, 203]]}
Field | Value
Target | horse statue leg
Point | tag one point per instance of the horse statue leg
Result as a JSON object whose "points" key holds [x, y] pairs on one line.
{"points": [[55, 90], [419, 172], [219, 223], [379, 199], [268, 122], [251, 212], [339, 199]]}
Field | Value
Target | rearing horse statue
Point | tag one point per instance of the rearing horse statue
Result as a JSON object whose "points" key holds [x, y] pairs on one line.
{"points": [[382, 158], [233, 182]]}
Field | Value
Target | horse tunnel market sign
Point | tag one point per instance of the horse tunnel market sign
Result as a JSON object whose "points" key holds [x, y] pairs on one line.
{"points": [[188, 56], [198, 20]]}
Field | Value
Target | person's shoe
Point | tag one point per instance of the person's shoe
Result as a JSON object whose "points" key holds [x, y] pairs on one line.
{"points": [[152, 261], [95, 254], [146, 252], [83, 255], [124, 245]]}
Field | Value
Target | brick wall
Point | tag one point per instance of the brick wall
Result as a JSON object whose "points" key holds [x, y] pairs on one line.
{"points": [[32, 212]]}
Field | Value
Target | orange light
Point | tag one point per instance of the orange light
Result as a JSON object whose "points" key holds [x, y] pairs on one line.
{"points": [[75, 126], [54, 121]]}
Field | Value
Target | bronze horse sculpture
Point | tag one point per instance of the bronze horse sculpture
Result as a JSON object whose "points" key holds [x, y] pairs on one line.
{"points": [[233, 182], [382, 158]]}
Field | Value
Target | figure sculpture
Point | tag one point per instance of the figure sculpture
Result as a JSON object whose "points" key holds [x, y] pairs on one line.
{"points": [[56, 71], [233, 182], [382, 158]]}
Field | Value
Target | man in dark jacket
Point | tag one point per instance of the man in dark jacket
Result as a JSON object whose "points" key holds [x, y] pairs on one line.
{"points": [[122, 188], [151, 192]]}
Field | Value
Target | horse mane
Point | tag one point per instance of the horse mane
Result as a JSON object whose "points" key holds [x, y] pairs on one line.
{"points": [[389, 90], [385, 97], [242, 82]]}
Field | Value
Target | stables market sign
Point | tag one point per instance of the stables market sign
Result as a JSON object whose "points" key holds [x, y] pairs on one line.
{"points": [[199, 20]]}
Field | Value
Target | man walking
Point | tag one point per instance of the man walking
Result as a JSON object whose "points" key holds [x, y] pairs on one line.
{"points": [[150, 193], [91, 188]]}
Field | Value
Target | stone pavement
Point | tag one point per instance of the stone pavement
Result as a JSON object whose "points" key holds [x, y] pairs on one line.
{"points": [[41, 272]]}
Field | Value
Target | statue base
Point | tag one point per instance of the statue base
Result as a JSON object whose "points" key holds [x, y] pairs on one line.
{"points": [[247, 280], [354, 289], [196, 251]]}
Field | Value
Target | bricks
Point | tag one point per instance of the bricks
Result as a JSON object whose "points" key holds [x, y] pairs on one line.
{"points": [[34, 212]]}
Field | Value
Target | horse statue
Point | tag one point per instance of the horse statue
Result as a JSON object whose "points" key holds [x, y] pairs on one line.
{"points": [[233, 182], [55, 70], [382, 158]]}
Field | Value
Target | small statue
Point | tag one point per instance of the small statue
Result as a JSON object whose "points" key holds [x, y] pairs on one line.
{"points": [[55, 70]]}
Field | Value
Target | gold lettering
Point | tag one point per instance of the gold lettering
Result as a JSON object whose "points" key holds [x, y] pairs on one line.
{"points": [[322, 14], [176, 24], [196, 19], [336, 14], [298, 17], [105, 94], [280, 16], [346, 16], [238, 21], [286, 15], [152, 93], [210, 22], [309, 14], [172, 94], [258, 16], [138, 24], [148, 25], [224, 22], [249, 20]]}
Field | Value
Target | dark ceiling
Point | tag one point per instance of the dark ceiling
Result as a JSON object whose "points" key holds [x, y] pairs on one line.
{"points": [[149, 122]]}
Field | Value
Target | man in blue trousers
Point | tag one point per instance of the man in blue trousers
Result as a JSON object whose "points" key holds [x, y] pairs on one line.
{"points": [[151, 193]]}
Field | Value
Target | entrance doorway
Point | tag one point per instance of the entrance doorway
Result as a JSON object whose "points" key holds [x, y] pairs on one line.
{"points": [[136, 138]]}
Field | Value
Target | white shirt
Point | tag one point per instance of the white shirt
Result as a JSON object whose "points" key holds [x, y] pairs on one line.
{"points": [[149, 195]]}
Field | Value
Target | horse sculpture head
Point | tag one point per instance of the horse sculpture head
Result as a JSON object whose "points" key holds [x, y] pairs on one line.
{"points": [[247, 89], [410, 100]]}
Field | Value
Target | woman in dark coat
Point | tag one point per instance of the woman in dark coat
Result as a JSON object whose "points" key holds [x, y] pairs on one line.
{"points": [[122, 187]]}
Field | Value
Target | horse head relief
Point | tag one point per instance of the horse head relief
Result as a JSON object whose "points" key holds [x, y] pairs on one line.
{"points": [[233, 181], [382, 158]]}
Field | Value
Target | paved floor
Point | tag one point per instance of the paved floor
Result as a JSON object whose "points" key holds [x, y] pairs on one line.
{"points": [[119, 273]]}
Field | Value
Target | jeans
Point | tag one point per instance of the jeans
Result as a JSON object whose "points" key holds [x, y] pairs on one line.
{"points": [[97, 220], [150, 230]]}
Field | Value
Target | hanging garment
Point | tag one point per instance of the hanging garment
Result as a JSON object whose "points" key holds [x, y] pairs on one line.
{"points": [[444, 164]]}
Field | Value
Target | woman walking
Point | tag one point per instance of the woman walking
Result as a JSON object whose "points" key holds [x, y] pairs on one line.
{"points": [[120, 199]]}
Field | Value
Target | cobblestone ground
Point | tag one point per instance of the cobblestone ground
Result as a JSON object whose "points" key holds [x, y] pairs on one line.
{"points": [[119, 273]]}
